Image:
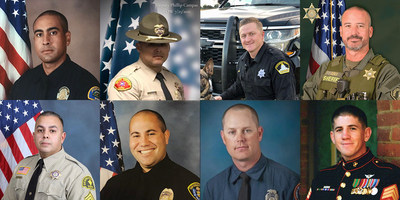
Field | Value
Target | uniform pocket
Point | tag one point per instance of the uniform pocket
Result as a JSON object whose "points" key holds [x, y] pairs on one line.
{"points": [[262, 87], [51, 191]]}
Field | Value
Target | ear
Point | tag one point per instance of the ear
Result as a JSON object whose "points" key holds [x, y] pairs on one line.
{"points": [[138, 47], [63, 136], [260, 132], [367, 134], [370, 31], [68, 37], [223, 136], [332, 137], [166, 136]]}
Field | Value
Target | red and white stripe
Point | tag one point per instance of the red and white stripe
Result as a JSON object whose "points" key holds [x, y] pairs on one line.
{"points": [[317, 57]]}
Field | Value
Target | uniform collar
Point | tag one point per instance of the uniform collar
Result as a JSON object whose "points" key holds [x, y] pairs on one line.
{"points": [[357, 163], [156, 168], [364, 61], [149, 71], [60, 71], [254, 173], [259, 55], [52, 160]]}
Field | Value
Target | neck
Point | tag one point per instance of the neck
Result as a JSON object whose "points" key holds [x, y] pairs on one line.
{"points": [[244, 166], [50, 67], [356, 56]]}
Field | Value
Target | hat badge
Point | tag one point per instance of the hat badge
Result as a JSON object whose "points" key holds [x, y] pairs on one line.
{"points": [[159, 29]]}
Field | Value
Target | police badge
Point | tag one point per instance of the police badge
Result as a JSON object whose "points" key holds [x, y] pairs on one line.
{"points": [[159, 29], [271, 195], [167, 194], [63, 93]]}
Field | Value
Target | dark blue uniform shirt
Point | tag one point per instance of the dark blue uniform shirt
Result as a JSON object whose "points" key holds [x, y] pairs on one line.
{"points": [[265, 175]]}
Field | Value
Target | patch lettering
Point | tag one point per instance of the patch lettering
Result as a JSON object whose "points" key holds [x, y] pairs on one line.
{"points": [[194, 190], [282, 67]]}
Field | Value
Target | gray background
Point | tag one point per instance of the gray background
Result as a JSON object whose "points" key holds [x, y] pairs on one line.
{"points": [[81, 124], [83, 21], [182, 119]]}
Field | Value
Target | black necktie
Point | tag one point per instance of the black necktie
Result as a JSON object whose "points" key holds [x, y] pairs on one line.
{"points": [[30, 192], [245, 188], [164, 88]]}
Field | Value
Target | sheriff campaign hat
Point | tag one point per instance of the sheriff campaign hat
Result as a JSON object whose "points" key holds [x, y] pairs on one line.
{"points": [[153, 28]]}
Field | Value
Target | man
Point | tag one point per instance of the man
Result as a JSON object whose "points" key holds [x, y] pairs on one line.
{"points": [[57, 77], [147, 79], [51, 174], [263, 72], [359, 174], [360, 74], [155, 176], [252, 175]]}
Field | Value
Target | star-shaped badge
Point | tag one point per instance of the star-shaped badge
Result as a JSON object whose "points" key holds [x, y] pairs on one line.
{"points": [[261, 73], [369, 74], [311, 13]]}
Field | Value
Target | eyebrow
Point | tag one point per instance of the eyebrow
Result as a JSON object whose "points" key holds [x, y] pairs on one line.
{"points": [[52, 126], [49, 29], [150, 130]]}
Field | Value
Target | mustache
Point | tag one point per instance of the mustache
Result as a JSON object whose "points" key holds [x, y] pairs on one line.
{"points": [[355, 37]]}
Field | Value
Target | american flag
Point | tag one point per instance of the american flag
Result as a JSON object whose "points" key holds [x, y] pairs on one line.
{"points": [[111, 162], [15, 47], [327, 43], [119, 51], [17, 123]]}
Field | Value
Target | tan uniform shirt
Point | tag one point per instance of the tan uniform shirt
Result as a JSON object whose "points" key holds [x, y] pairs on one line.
{"points": [[138, 82], [62, 177], [387, 84]]}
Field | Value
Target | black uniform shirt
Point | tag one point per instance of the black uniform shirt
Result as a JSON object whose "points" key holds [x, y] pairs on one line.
{"points": [[67, 78], [363, 178], [270, 75], [135, 184]]}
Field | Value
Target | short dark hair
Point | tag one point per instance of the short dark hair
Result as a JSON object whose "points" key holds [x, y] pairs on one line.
{"points": [[241, 107], [63, 19], [350, 110], [51, 113], [159, 117]]}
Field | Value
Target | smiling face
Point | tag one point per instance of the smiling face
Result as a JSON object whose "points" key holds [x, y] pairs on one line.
{"points": [[350, 136], [356, 29], [147, 141], [153, 55], [50, 40], [252, 38], [48, 135], [242, 136]]}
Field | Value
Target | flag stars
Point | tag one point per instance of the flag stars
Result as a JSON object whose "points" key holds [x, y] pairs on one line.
{"points": [[26, 102], [24, 15], [341, 44], [115, 143], [15, 120], [134, 23], [16, 109], [8, 117], [102, 106], [323, 2], [7, 128], [101, 137], [129, 46], [108, 43], [15, 13], [105, 149], [324, 15], [9, 106], [325, 28], [340, 4], [25, 113], [15, 1], [35, 105], [110, 131], [333, 16], [316, 29], [109, 162], [26, 28], [327, 42], [110, 19], [107, 65], [119, 155], [140, 2], [106, 118]]}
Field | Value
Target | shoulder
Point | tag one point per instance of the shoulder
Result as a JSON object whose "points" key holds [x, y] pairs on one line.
{"points": [[30, 73], [169, 74], [281, 171], [76, 166], [327, 172], [219, 180], [386, 165], [29, 159], [183, 173], [82, 72], [121, 179]]}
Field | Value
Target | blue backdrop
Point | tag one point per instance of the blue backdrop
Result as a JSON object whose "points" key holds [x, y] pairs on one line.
{"points": [[281, 138], [81, 124]]}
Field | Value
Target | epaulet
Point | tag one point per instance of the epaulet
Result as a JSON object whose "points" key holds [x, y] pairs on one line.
{"points": [[383, 164], [378, 60]]}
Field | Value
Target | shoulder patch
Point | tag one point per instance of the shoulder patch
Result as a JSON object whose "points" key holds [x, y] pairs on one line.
{"points": [[123, 84], [395, 93], [87, 182], [282, 67], [194, 190], [23, 170], [94, 93], [89, 196]]}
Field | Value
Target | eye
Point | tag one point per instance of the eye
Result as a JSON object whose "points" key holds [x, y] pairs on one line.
{"points": [[53, 131], [135, 135], [38, 34], [39, 130], [247, 131], [53, 33], [339, 130], [231, 132], [152, 133]]}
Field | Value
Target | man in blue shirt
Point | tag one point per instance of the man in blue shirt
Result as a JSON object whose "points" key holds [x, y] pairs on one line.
{"points": [[252, 175]]}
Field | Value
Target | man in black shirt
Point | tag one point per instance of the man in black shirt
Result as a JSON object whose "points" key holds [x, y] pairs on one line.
{"points": [[57, 77], [155, 176], [263, 72]]}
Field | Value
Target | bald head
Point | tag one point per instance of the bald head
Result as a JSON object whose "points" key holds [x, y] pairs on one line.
{"points": [[357, 10]]}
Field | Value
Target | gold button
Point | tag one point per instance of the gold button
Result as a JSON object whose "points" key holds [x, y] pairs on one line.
{"points": [[376, 161], [355, 164], [339, 197], [343, 185], [348, 174], [343, 164]]}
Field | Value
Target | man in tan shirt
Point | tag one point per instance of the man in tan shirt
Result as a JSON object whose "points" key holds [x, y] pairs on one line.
{"points": [[147, 79], [58, 175]]}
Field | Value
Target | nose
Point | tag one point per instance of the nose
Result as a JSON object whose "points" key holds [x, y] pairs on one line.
{"points": [[345, 134], [46, 134], [144, 140], [239, 137], [46, 39]]}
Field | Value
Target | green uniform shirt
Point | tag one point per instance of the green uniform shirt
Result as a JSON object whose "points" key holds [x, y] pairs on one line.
{"points": [[387, 84]]}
